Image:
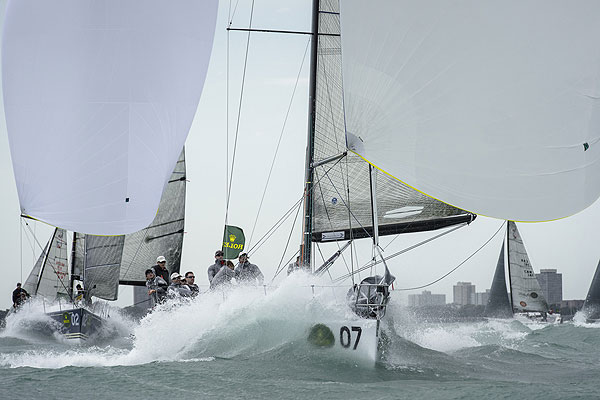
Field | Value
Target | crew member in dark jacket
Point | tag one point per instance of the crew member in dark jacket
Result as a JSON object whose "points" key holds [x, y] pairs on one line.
{"points": [[160, 269], [216, 267], [17, 297], [157, 287]]}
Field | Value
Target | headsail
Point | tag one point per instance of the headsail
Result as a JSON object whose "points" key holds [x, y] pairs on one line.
{"points": [[525, 290], [30, 284], [501, 119], [498, 305], [111, 86], [591, 307], [54, 275], [343, 183]]}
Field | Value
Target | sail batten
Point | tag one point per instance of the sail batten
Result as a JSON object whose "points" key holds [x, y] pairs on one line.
{"points": [[495, 118]]}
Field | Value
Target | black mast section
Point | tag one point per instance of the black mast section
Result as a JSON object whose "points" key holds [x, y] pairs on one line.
{"points": [[306, 247]]}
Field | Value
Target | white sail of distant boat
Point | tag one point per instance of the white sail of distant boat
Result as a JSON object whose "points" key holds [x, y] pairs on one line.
{"points": [[525, 290], [499, 119], [111, 87]]}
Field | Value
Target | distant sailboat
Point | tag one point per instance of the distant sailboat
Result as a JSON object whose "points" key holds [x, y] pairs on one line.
{"points": [[591, 307], [526, 296]]}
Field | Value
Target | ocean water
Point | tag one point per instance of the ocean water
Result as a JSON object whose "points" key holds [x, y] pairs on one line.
{"points": [[251, 345]]}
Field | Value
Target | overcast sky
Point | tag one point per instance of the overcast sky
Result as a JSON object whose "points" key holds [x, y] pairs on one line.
{"points": [[273, 64]]}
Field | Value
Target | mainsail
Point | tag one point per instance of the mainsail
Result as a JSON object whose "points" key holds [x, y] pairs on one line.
{"points": [[111, 260], [525, 290], [111, 86], [341, 199], [498, 305], [591, 307], [501, 119]]}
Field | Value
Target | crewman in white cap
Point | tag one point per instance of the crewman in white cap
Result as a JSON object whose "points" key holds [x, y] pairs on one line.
{"points": [[160, 269]]}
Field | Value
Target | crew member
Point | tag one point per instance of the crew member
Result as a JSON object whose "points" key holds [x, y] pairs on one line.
{"points": [[246, 272], [216, 267], [160, 268], [157, 287], [224, 276], [190, 280]]}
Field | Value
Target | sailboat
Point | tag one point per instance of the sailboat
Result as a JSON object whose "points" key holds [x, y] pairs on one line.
{"points": [[102, 263], [419, 111], [591, 307], [526, 298], [111, 88]]}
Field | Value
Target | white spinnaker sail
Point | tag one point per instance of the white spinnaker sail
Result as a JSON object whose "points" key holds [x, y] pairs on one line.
{"points": [[111, 87], [54, 279], [30, 284], [493, 107], [525, 290]]}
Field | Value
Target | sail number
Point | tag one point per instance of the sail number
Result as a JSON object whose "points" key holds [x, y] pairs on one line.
{"points": [[346, 336]]}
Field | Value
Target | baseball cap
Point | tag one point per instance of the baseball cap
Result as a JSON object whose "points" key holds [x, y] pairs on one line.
{"points": [[160, 259], [175, 275]]}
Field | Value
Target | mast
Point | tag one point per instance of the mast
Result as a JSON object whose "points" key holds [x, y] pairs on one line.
{"points": [[306, 247], [73, 256], [512, 307]]}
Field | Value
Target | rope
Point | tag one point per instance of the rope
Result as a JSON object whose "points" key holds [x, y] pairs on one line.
{"points": [[237, 128], [372, 264], [459, 265], [278, 143]]}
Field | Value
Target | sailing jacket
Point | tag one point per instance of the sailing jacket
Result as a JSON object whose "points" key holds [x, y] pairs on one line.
{"points": [[177, 289], [16, 295], [162, 272], [248, 272], [214, 269], [158, 284], [194, 288], [224, 275]]}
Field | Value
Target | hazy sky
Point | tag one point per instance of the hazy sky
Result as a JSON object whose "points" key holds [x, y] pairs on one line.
{"points": [[273, 64]]}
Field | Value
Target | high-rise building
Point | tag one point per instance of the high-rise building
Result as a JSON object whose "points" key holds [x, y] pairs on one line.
{"points": [[551, 283], [426, 299], [464, 293], [481, 298]]}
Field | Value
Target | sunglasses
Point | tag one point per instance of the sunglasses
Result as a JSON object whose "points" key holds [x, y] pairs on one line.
{"points": [[190, 277]]}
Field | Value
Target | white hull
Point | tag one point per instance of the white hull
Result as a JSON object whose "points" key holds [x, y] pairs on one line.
{"points": [[357, 339]]}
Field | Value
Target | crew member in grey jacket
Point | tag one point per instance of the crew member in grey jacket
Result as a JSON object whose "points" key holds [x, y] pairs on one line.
{"points": [[216, 267], [246, 272], [224, 276], [157, 287]]}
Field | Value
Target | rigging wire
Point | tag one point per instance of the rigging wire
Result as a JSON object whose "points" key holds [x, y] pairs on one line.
{"points": [[372, 264], [237, 128], [21, 246], [279, 142], [288, 240], [458, 266]]}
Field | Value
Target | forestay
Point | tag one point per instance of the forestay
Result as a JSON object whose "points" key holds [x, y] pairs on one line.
{"points": [[489, 106], [109, 87], [525, 290], [341, 200]]}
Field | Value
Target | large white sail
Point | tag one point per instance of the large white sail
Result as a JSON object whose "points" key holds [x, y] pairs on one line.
{"points": [[111, 87], [525, 290], [489, 106], [341, 197]]}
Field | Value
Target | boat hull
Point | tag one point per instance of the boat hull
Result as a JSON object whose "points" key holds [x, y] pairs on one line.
{"points": [[357, 340], [77, 324]]}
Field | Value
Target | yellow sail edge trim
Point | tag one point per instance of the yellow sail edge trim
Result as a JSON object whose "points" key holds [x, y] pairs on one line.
{"points": [[452, 205], [53, 226]]}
